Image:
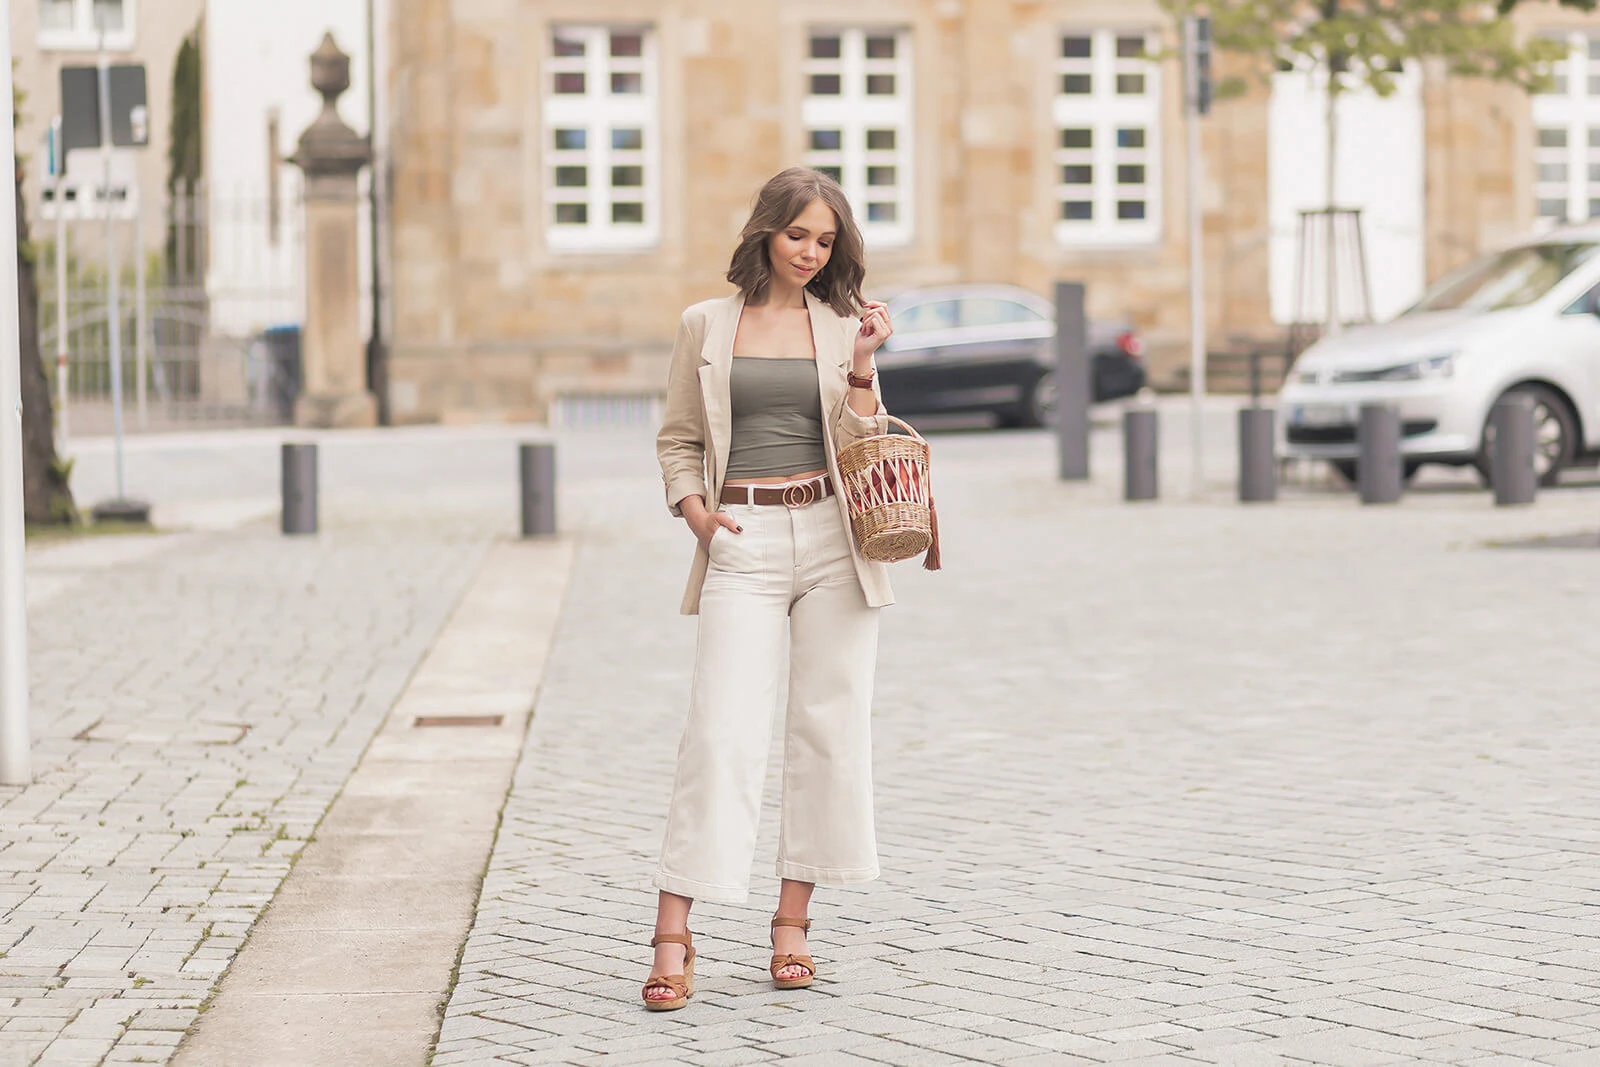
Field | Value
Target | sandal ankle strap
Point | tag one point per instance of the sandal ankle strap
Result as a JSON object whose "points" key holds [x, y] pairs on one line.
{"points": [[778, 920], [685, 939]]}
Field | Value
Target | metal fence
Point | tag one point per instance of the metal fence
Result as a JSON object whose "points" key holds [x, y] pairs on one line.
{"points": [[203, 326]]}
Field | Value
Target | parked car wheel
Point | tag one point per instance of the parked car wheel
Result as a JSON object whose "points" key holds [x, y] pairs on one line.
{"points": [[1555, 435], [1040, 409]]}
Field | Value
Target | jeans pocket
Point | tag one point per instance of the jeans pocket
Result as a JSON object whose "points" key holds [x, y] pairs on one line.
{"points": [[737, 552]]}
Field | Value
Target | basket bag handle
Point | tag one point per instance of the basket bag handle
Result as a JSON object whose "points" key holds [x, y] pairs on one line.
{"points": [[931, 560]]}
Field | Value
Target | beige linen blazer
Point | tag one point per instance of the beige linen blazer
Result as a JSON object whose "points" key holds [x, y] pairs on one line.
{"points": [[697, 422]]}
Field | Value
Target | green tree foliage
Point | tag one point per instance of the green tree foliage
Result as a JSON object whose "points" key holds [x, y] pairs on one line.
{"points": [[1367, 42], [185, 162]]}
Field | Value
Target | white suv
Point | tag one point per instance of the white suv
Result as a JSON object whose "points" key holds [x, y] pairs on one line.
{"points": [[1526, 319]]}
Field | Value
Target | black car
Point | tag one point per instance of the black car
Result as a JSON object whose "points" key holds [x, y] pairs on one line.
{"points": [[991, 349]]}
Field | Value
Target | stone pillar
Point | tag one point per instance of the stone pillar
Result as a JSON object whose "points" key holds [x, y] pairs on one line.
{"points": [[334, 391]]}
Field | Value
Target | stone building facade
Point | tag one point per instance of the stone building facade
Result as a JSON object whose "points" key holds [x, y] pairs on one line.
{"points": [[569, 174]]}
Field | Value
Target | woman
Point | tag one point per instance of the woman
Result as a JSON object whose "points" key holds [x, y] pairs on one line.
{"points": [[766, 386]]}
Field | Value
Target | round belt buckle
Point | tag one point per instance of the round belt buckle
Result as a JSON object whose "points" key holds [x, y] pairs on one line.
{"points": [[799, 496]]}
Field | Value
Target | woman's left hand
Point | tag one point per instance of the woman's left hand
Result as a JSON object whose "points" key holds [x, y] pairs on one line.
{"points": [[875, 329]]}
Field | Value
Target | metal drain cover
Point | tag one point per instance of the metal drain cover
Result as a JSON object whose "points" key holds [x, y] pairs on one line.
{"points": [[458, 720]]}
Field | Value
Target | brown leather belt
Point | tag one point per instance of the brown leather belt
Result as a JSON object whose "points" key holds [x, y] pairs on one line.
{"points": [[798, 495]]}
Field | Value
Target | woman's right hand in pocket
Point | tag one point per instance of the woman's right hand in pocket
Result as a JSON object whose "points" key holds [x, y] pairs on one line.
{"points": [[704, 522]]}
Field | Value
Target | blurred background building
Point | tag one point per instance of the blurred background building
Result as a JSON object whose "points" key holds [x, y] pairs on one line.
{"points": [[557, 179]]}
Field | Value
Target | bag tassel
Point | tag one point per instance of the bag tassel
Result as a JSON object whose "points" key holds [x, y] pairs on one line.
{"points": [[930, 562]]}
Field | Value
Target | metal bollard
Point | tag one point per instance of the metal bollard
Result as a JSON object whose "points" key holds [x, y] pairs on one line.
{"points": [[1379, 471], [1512, 451], [536, 465], [1073, 390], [1141, 448], [299, 488], [1258, 461]]}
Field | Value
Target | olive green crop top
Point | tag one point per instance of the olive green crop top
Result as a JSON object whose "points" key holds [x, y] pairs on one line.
{"points": [[777, 418]]}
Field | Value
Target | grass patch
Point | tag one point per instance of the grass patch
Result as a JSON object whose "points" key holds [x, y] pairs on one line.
{"points": [[55, 534]]}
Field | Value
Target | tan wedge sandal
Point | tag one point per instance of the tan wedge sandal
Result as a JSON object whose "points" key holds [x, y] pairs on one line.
{"points": [[779, 962], [682, 985]]}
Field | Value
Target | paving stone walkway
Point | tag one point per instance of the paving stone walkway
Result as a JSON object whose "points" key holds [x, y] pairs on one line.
{"points": [[1171, 784], [197, 706]]}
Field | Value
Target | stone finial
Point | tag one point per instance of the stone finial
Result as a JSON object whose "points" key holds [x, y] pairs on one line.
{"points": [[329, 148]]}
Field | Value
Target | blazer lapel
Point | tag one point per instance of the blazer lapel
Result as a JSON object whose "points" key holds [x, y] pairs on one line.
{"points": [[833, 355], [717, 352]]}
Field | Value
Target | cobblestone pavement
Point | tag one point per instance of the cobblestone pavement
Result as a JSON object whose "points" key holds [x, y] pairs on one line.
{"points": [[1176, 783], [198, 700]]}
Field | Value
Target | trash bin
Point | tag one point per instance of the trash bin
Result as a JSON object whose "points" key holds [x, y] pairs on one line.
{"points": [[283, 384]]}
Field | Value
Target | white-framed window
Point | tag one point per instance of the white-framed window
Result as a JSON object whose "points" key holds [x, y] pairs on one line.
{"points": [[1566, 137], [1107, 158], [602, 152], [75, 25], [858, 124]]}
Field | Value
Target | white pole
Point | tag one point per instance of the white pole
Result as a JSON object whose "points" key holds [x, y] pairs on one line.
{"points": [[15, 768], [1334, 324], [1197, 287], [141, 353], [63, 368], [113, 311]]}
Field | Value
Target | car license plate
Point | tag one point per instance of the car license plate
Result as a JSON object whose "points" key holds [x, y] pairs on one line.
{"points": [[1322, 415]]}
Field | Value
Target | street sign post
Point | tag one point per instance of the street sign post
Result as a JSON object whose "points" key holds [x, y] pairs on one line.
{"points": [[15, 757], [1197, 67], [57, 161]]}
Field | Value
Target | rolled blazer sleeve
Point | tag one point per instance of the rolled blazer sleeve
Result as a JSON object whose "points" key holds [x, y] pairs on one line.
{"points": [[681, 444], [850, 427]]}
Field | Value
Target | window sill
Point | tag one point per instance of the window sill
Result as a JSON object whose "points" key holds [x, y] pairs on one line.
{"points": [[74, 41]]}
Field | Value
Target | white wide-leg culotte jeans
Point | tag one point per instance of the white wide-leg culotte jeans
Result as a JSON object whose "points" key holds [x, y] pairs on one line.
{"points": [[788, 577]]}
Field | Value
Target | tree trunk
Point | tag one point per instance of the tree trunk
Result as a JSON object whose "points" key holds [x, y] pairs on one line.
{"points": [[47, 498]]}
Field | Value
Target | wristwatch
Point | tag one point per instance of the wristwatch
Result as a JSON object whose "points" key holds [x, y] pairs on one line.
{"points": [[862, 381]]}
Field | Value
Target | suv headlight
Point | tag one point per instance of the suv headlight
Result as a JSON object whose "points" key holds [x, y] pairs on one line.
{"points": [[1421, 370]]}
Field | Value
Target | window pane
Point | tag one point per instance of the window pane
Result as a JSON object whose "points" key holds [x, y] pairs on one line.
{"points": [[570, 83], [836, 173], [920, 318], [1077, 138], [1077, 84], [1594, 173], [572, 177], [55, 14], [1552, 172], [880, 140], [880, 84], [629, 177], [1594, 48], [572, 140], [824, 85], [1076, 47], [1077, 211], [1130, 47], [1130, 138], [826, 140], [880, 47], [825, 48], [880, 175], [1130, 84], [627, 44], [572, 214], [567, 43], [1594, 136], [1594, 208], [108, 14], [1553, 138], [1130, 210], [1077, 174], [1552, 209], [1130, 175], [627, 139], [1594, 85], [626, 84], [882, 212], [627, 213]]}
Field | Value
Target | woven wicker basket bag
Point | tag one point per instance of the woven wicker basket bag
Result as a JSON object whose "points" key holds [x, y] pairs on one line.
{"points": [[890, 496]]}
